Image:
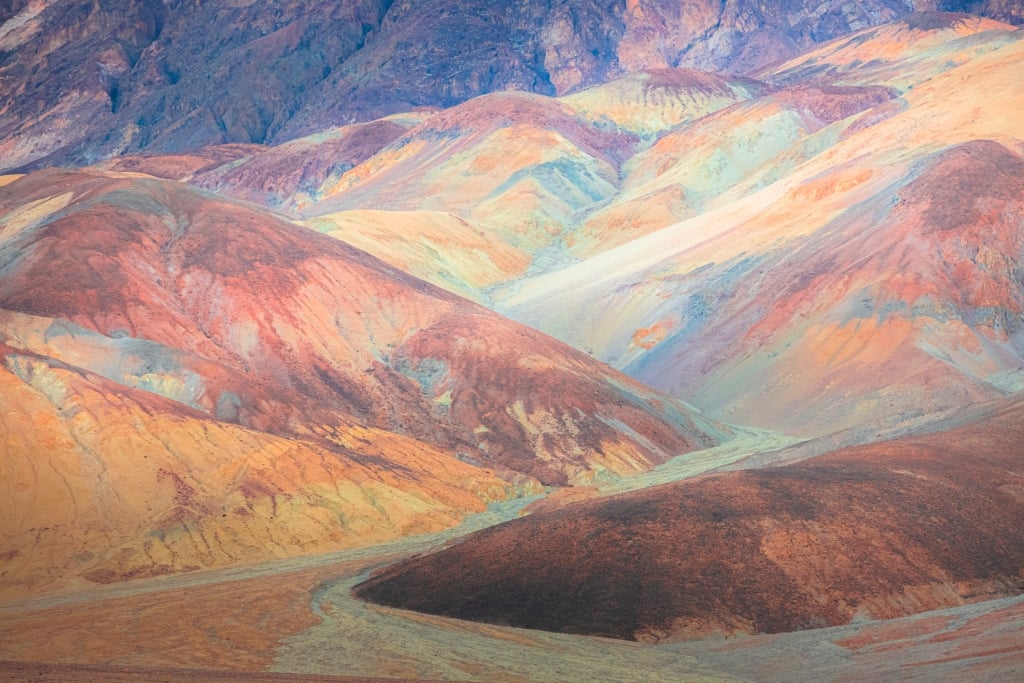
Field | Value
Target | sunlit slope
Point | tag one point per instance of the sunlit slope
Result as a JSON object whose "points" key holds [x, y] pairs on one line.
{"points": [[267, 363], [521, 171], [648, 103], [436, 246], [513, 164], [273, 325], [107, 482], [509, 177], [511, 174], [721, 157], [901, 54], [876, 281]]}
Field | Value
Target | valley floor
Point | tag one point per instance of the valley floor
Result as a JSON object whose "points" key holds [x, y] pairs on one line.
{"points": [[194, 632], [295, 620]]}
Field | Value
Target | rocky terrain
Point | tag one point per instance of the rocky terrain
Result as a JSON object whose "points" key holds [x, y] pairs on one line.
{"points": [[191, 382], [876, 531], [692, 334], [90, 80]]}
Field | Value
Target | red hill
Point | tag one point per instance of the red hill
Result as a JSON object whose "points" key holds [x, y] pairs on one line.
{"points": [[227, 344]]}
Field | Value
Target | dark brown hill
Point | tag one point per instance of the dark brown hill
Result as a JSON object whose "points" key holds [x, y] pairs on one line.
{"points": [[875, 531]]}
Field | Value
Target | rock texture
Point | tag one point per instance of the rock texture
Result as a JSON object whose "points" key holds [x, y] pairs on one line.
{"points": [[876, 531], [840, 269], [189, 382], [89, 80]]}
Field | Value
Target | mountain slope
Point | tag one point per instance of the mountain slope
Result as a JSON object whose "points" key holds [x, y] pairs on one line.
{"points": [[515, 168], [875, 531], [107, 482], [476, 195], [295, 324], [872, 283], [718, 158], [89, 80], [437, 246], [651, 102], [899, 54], [273, 176], [290, 393]]}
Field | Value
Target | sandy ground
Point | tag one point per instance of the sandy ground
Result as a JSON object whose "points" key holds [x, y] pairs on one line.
{"points": [[29, 672]]}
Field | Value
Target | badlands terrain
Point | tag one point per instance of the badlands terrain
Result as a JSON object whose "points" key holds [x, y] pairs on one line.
{"points": [[544, 341]]}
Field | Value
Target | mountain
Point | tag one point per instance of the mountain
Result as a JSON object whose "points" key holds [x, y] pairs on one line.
{"points": [[528, 184], [717, 158], [190, 381], [275, 175], [292, 292], [471, 197], [867, 274], [901, 54], [876, 531], [90, 80]]}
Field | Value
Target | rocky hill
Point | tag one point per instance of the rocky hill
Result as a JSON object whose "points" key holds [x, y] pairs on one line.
{"points": [[87, 80], [190, 382]]}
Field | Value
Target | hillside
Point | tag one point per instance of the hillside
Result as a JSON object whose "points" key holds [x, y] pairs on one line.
{"points": [[861, 275], [541, 341], [876, 531], [191, 382], [89, 80]]}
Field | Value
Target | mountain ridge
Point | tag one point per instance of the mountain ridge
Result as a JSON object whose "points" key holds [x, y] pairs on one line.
{"points": [[256, 345], [274, 76], [191, 381]]}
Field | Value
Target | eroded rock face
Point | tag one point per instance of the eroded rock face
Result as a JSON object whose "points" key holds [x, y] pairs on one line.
{"points": [[1003, 10], [191, 382], [741, 37], [879, 531], [293, 323], [137, 74]]}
